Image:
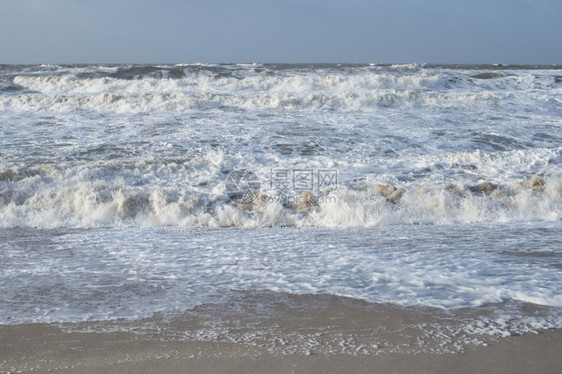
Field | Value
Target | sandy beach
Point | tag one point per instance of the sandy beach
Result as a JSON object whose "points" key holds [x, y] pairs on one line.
{"points": [[269, 333]]}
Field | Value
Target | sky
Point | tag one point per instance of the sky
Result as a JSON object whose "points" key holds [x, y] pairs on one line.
{"points": [[185, 31]]}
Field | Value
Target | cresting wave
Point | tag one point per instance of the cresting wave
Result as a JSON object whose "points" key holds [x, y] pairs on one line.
{"points": [[191, 192]]}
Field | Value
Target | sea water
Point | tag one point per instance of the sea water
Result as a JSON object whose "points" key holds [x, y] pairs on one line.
{"points": [[130, 190]]}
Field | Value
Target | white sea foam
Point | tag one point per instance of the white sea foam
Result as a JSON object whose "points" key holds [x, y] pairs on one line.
{"points": [[104, 274], [465, 160]]}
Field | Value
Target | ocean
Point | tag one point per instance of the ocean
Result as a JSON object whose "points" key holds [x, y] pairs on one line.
{"points": [[129, 191]]}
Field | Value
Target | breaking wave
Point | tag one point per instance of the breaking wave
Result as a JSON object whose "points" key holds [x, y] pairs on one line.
{"points": [[191, 192]]}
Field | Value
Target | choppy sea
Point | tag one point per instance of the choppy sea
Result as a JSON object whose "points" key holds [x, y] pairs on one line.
{"points": [[130, 190]]}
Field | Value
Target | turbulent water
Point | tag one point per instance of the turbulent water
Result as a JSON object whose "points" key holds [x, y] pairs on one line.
{"points": [[128, 189]]}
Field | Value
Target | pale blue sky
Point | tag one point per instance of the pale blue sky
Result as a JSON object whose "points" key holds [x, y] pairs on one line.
{"points": [[487, 31]]}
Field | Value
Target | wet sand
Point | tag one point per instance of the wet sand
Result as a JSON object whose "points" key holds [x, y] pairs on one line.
{"points": [[265, 333]]}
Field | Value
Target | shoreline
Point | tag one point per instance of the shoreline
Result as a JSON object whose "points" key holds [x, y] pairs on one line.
{"points": [[263, 332]]}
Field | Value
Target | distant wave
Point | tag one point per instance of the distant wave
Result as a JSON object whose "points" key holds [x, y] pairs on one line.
{"points": [[124, 89]]}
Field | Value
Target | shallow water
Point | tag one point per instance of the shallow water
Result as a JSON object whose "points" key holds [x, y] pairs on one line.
{"points": [[100, 274]]}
